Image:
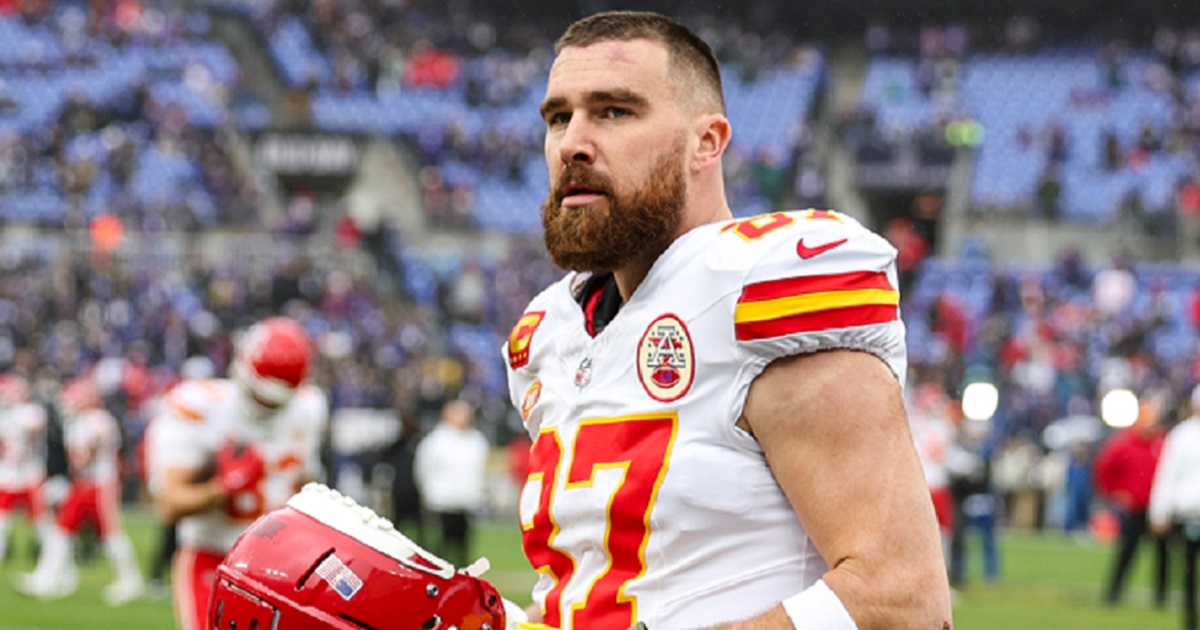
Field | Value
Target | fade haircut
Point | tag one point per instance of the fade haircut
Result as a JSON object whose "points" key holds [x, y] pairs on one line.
{"points": [[699, 72]]}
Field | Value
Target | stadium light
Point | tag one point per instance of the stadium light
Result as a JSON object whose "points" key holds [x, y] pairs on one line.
{"points": [[1119, 408], [979, 401]]}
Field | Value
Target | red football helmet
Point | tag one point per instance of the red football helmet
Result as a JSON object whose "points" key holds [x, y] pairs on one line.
{"points": [[14, 390], [325, 562], [272, 360]]}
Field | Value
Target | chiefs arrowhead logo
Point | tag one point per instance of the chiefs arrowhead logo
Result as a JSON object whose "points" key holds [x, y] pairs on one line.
{"points": [[807, 252]]}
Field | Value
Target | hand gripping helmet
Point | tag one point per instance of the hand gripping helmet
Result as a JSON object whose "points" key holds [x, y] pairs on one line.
{"points": [[324, 562], [272, 360]]}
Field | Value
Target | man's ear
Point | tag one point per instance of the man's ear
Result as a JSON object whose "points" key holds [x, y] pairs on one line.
{"points": [[714, 132]]}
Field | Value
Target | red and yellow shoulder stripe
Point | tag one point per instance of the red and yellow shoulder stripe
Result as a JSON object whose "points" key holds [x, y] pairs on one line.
{"points": [[776, 308]]}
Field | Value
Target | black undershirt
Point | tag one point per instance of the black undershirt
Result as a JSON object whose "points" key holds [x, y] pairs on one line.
{"points": [[600, 300]]}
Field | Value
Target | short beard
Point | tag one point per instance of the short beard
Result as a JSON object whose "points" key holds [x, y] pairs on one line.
{"points": [[620, 229]]}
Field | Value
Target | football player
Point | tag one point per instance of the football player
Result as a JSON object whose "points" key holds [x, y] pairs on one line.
{"points": [[325, 562], [92, 438], [933, 432], [719, 437], [22, 457], [223, 452]]}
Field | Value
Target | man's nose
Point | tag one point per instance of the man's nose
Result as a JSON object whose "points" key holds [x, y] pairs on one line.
{"points": [[576, 144]]}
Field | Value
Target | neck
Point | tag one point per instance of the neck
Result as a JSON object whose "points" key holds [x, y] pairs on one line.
{"points": [[630, 277]]}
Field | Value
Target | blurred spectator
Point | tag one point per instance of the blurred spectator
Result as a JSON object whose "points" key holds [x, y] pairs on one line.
{"points": [[450, 468], [408, 513], [976, 507], [1175, 499], [1187, 202], [1011, 474], [1124, 474], [1071, 440], [1079, 488], [1049, 194], [1113, 289], [912, 248]]}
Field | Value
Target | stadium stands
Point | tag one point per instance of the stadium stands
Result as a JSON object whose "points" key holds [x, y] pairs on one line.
{"points": [[106, 115]]}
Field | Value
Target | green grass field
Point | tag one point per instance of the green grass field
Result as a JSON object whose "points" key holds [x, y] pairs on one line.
{"points": [[1047, 582]]}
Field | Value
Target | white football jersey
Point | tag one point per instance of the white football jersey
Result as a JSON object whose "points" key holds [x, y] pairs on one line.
{"points": [[645, 502], [198, 417], [22, 446], [92, 439]]}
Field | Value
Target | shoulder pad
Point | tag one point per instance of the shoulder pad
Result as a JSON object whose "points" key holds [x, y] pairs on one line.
{"points": [[822, 271], [189, 399], [817, 280], [744, 242]]}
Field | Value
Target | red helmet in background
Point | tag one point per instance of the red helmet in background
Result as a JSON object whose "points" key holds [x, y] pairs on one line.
{"points": [[80, 394], [325, 562], [273, 359], [14, 390]]}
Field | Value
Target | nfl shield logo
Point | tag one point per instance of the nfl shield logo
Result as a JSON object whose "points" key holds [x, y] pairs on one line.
{"points": [[583, 373]]}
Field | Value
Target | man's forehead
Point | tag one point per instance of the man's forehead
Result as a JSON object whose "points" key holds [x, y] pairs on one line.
{"points": [[638, 58]]}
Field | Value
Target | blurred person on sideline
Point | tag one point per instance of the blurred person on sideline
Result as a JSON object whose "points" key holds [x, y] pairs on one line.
{"points": [[1015, 460], [716, 406], [450, 467], [92, 437], [934, 434], [22, 458], [1066, 469], [223, 452], [976, 506], [1175, 499], [1124, 474], [408, 513]]}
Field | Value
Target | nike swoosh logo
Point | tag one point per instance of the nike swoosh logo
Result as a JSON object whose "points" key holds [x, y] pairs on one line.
{"points": [[807, 252]]}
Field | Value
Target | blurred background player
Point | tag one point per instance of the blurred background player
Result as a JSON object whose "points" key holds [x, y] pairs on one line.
{"points": [[195, 368], [933, 434], [450, 468], [22, 457], [93, 441], [222, 452]]}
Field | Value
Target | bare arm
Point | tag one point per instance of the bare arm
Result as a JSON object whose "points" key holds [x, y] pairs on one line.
{"points": [[834, 431], [181, 496]]}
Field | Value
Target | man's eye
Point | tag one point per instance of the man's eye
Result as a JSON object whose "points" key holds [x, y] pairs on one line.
{"points": [[559, 118], [616, 112]]}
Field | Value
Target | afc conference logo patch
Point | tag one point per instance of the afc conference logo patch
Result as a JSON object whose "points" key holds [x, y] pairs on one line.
{"points": [[521, 336], [666, 361]]}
